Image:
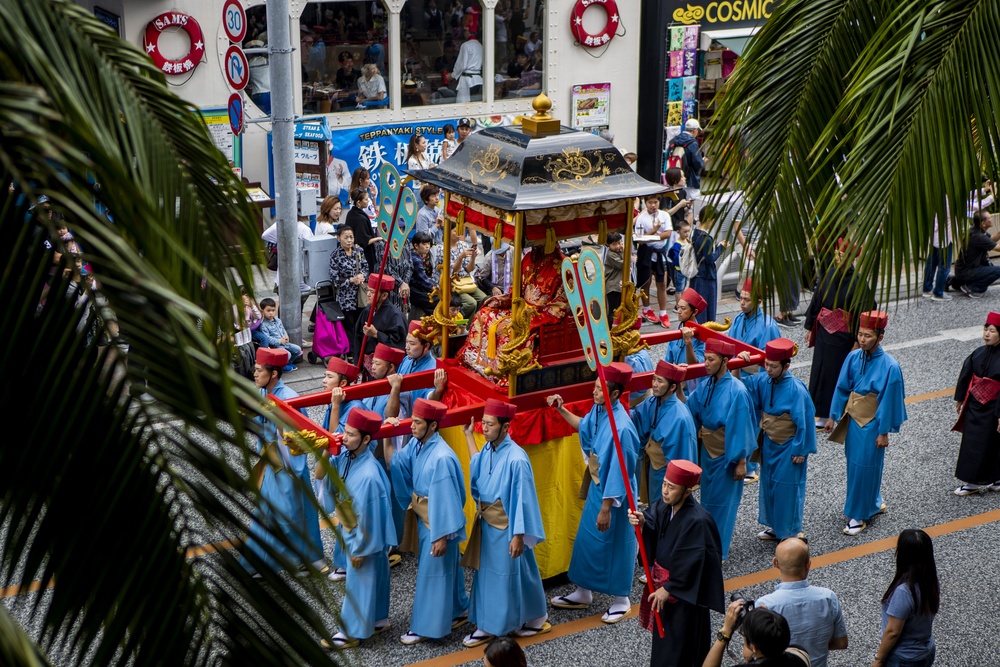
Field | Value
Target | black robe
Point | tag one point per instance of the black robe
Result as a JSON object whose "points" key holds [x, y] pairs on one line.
{"points": [[690, 548], [831, 349], [359, 222], [979, 456], [389, 323]]}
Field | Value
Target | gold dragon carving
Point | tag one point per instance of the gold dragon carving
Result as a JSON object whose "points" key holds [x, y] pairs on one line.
{"points": [[515, 355]]}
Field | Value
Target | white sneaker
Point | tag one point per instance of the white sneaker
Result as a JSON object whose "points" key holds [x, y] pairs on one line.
{"points": [[943, 297], [927, 295]]}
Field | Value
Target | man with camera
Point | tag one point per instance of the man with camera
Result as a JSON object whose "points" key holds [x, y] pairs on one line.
{"points": [[687, 570]]}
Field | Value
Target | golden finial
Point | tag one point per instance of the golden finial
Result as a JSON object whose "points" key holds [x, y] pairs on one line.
{"points": [[542, 123]]}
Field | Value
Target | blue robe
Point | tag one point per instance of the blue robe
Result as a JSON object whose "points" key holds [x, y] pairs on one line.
{"points": [[677, 354], [670, 423], [757, 330], [377, 405], [286, 506], [432, 470], [506, 592], [783, 483], [877, 373], [716, 403], [640, 362], [408, 366], [325, 497], [605, 562], [366, 600]]}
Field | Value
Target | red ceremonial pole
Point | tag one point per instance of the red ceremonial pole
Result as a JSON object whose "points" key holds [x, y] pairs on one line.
{"points": [[381, 271], [618, 444]]}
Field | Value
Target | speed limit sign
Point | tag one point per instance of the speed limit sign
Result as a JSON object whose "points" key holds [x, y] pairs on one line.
{"points": [[234, 21]]}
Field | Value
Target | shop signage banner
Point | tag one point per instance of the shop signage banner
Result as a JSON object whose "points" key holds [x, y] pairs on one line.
{"points": [[721, 15]]}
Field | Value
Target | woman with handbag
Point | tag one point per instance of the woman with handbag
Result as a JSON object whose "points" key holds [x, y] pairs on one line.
{"points": [[463, 265], [348, 272]]}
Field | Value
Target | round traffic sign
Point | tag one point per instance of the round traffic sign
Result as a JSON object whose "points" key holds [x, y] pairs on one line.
{"points": [[234, 20], [237, 69], [236, 113]]}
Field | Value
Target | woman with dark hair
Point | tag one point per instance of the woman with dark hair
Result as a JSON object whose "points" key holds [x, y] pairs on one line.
{"points": [[504, 652], [766, 639], [909, 605], [361, 178], [358, 222]]}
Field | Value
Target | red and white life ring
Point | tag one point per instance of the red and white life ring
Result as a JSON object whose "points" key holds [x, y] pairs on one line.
{"points": [[188, 24], [600, 38]]}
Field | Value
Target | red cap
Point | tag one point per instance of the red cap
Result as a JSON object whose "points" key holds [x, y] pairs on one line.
{"points": [[392, 355], [365, 421], [670, 371], [415, 329], [747, 286], [430, 410], [994, 319], [272, 356], [718, 346], [342, 368], [694, 299], [388, 282], [873, 319], [843, 245], [496, 408], [683, 473], [779, 349], [618, 372]]}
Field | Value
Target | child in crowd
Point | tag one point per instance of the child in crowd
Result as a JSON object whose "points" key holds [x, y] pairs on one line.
{"points": [[274, 334], [448, 144], [455, 312], [613, 263], [681, 241], [428, 217]]}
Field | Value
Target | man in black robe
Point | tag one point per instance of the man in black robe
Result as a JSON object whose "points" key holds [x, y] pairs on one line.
{"points": [[977, 399], [687, 548], [831, 326], [388, 324]]}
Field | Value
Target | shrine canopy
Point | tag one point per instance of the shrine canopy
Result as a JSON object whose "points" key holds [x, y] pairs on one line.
{"points": [[570, 182]]}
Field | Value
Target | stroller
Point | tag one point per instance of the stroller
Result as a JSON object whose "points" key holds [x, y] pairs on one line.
{"points": [[330, 338]]}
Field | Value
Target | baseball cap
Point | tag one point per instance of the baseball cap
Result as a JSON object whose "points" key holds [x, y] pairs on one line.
{"points": [[692, 124]]}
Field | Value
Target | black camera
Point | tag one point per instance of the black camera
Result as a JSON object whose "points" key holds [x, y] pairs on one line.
{"points": [[748, 606]]}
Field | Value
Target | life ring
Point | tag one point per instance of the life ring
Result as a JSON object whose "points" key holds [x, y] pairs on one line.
{"points": [[188, 24], [601, 38]]}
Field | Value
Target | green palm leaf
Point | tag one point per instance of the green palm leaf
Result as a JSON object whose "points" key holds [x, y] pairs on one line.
{"points": [[102, 494]]}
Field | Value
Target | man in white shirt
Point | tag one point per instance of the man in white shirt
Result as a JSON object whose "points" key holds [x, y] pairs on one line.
{"points": [[651, 259], [468, 69]]}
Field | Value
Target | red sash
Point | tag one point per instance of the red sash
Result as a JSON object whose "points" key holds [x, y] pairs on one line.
{"points": [[835, 321], [984, 390], [660, 577]]}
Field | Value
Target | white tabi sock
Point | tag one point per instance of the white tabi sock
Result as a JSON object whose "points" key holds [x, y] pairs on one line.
{"points": [[581, 595]]}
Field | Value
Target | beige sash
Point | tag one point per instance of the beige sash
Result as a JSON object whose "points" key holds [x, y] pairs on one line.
{"points": [[346, 516], [714, 441], [780, 429], [268, 456], [594, 468], [653, 455], [411, 533], [861, 408], [495, 516]]}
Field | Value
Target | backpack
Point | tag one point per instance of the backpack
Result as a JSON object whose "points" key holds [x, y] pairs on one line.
{"points": [[676, 156], [689, 263]]}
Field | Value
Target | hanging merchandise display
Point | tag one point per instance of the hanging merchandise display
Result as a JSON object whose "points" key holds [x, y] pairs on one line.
{"points": [[188, 24]]}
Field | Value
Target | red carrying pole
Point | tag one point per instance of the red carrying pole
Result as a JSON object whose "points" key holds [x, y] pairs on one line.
{"points": [[618, 444], [381, 271]]}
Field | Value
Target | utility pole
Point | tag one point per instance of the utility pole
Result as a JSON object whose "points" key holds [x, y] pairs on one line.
{"points": [[283, 152]]}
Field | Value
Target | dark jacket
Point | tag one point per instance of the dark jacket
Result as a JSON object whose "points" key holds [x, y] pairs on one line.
{"points": [[361, 225], [706, 252], [693, 164], [976, 253]]}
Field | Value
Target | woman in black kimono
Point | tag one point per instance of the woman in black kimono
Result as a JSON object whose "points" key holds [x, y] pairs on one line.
{"points": [[978, 411]]}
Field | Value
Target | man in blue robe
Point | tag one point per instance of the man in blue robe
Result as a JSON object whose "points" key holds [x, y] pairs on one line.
{"points": [[687, 350], [604, 551], [753, 327], [787, 438], [367, 530], [338, 376], [665, 425], [507, 594], [427, 475], [869, 396], [723, 413], [287, 507], [418, 359], [385, 363]]}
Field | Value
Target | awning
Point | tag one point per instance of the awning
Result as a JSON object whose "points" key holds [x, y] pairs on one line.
{"points": [[734, 40]]}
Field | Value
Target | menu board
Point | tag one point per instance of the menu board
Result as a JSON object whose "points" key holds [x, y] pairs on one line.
{"points": [[591, 105]]}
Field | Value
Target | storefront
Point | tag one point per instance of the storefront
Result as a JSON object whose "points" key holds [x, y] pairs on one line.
{"points": [[690, 49], [413, 50]]}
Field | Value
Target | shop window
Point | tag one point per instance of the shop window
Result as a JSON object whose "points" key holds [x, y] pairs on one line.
{"points": [[436, 36], [343, 53], [518, 54]]}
